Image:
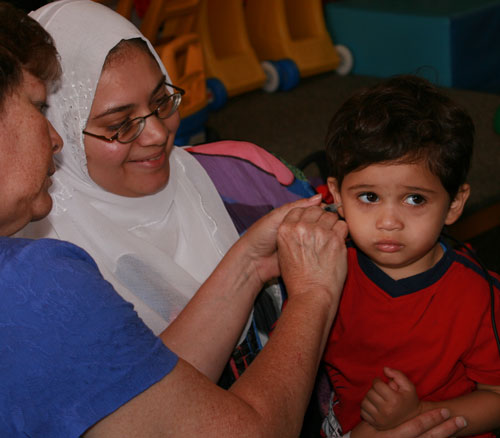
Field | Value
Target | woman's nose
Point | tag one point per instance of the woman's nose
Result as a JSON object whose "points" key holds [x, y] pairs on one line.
{"points": [[388, 219], [156, 130], [57, 141]]}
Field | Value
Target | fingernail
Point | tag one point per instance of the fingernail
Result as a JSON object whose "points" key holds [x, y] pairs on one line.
{"points": [[445, 413], [461, 422]]}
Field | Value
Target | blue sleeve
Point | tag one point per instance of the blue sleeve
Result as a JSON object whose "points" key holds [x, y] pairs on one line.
{"points": [[72, 350]]}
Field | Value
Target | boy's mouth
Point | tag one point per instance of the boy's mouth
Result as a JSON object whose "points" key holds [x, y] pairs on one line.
{"points": [[388, 246]]}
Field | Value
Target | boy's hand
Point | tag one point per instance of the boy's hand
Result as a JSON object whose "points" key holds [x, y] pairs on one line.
{"points": [[386, 405]]}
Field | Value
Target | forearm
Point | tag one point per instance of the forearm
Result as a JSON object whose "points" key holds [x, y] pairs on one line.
{"points": [[206, 331], [481, 409], [268, 401], [279, 382]]}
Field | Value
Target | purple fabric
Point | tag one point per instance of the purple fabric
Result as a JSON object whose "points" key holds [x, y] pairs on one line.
{"points": [[247, 191]]}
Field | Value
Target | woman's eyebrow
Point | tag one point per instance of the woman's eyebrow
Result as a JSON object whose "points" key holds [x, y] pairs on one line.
{"points": [[113, 110], [119, 109], [160, 85]]}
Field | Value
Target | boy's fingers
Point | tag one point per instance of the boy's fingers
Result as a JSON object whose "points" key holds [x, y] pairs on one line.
{"points": [[399, 379], [366, 415], [381, 389], [393, 385], [374, 397]]}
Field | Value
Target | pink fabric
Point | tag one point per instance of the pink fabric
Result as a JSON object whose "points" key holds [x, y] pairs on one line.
{"points": [[249, 152]]}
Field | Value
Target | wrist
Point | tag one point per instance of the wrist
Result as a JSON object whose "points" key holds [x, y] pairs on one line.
{"points": [[317, 295], [424, 406], [246, 265], [262, 262]]}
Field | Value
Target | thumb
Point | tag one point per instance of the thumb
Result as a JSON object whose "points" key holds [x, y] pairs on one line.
{"points": [[399, 379], [280, 212], [307, 202]]}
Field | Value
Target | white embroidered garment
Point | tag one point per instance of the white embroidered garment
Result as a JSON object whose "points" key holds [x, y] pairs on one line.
{"points": [[155, 250]]}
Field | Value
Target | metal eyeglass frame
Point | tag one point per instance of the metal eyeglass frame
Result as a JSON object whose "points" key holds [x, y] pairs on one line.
{"points": [[178, 92]]}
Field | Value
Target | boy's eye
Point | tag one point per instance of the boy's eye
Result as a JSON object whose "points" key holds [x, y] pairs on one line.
{"points": [[415, 199], [368, 197]]}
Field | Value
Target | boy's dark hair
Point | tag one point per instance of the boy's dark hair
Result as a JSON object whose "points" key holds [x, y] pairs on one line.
{"points": [[24, 44], [404, 119]]}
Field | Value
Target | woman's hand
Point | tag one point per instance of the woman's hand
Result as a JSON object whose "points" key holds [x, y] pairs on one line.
{"points": [[431, 424], [259, 241], [312, 252]]}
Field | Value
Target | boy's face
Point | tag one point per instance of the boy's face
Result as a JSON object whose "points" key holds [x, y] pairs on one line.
{"points": [[395, 213]]}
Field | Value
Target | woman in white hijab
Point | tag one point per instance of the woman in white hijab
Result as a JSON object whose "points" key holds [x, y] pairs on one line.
{"points": [[142, 244], [145, 210]]}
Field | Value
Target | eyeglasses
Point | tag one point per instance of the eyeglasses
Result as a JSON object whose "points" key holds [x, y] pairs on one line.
{"points": [[130, 130]]}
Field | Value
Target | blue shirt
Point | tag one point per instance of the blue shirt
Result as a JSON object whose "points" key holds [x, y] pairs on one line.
{"points": [[71, 349]]}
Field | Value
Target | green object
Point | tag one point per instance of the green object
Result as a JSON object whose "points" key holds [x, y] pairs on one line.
{"points": [[496, 121]]}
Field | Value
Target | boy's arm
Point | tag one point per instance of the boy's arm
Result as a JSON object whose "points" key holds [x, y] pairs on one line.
{"points": [[387, 405], [481, 408]]}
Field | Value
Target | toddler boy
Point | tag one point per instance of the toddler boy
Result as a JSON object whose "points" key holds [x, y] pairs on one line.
{"points": [[399, 154]]}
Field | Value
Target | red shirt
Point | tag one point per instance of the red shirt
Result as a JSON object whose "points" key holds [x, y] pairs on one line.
{"points": [[435, 327]]}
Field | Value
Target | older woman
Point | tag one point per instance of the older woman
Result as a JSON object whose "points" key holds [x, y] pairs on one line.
{"points": [[76, 360]]}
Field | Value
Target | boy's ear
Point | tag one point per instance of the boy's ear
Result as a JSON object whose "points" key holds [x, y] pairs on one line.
{"points": [[334, 189], [458, 204]]}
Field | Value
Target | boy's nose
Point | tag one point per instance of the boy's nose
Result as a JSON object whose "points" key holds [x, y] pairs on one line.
{"points": [[389, 220]]}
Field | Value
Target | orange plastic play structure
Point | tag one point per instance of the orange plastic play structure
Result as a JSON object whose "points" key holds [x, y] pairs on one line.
{"points": [[216, 49], [293, 29], [165, 20], [169, 25], [229, 56], [183, 60]]}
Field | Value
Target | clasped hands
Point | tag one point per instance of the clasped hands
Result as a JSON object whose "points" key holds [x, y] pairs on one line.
{"points": [[303, 243]]}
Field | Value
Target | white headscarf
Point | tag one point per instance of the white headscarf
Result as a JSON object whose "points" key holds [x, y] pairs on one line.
{"points": [[156, 250]]}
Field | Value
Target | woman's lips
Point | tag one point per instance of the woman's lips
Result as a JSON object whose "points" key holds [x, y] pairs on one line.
{"points": [[388, 246], [151, 161]]}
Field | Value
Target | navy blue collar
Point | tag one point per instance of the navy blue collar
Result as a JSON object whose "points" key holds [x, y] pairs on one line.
{"points": [[409, 285]]}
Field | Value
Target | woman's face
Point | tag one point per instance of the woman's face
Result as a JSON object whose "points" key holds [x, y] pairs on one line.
{"points": [[131, 85], [27, 145]]}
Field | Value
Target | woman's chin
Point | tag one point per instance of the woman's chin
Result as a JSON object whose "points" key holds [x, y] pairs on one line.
{"points": [[145, 187], [42, 208]]}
